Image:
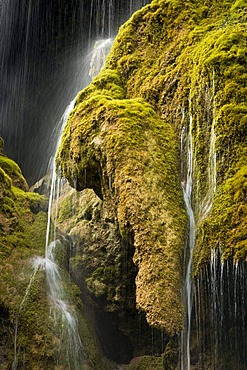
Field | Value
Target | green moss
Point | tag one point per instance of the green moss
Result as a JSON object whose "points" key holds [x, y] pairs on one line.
{"points": [[39, 345], [22, 236], [226, 228], [13, 171], [146, 363], [172, 63], [125, 142]]}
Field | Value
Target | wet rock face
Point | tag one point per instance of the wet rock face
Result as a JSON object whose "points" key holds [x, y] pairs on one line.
{"points": [[97, 249], [22, 236], [101, 264], [174, 64]]}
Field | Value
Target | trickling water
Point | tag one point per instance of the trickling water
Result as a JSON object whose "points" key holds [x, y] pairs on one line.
{"points": [[43, 47], [207, 202], [221, 291], [64, 319], [187, 186], [63, 314], [36, 264], [101, 50]]}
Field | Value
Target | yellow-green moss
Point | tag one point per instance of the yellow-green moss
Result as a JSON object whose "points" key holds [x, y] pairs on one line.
{"points": [[122, 149], [22, 236], [172, 62], [146, 363], [14, 171], [23, 223], [226, 227], [188, 59]]}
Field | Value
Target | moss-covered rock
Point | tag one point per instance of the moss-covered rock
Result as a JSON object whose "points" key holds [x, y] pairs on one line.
{"points": [[23, 301], [171, 63], [14, 172], [188, 60], [101, 265], [121, 149], [28, 336]]}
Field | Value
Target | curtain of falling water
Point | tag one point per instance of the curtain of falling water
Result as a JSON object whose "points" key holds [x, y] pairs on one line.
{"points": [[221, 325], [42, 51]]}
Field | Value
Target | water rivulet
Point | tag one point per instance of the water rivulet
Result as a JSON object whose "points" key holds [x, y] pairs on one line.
{"points": [[43, 50], [154, 152], [181, 64]]}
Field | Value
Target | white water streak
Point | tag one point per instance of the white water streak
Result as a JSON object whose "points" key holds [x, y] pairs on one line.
{"points": [[187, 193], [62, 311], [207, 202], [36, 266], [100, 52]]}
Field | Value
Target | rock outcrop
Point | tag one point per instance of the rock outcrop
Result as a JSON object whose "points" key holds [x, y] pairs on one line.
{"points": [[173, 65], [27, 335]]}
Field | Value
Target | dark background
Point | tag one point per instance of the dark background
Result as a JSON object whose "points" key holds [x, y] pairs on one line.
{"points": [[43, 64]]}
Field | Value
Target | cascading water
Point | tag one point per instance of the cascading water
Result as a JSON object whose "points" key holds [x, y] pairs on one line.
{"points": [[203, 209], [187, 185], [101, 50], [220, 295], [64, 317], [43, 49], [62, 313]]}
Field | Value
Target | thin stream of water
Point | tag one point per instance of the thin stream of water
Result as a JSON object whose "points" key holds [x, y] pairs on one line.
{"points": [[64, 317], [187, 193], [62, 310]]}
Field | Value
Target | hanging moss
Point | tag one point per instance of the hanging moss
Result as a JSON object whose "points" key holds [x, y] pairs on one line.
{"points": [[125, 143], [172, 62]]}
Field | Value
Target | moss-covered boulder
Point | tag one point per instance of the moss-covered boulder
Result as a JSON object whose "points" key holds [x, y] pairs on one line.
{"points": [[29, 338], [101, 263], [175, 67], [185, 59], [24, 311], [121, 149]]}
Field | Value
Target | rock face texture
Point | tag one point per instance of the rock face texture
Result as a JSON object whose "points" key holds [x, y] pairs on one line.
{"points": [[27, 335], [101, 265], [175, 67], [22, 231]]}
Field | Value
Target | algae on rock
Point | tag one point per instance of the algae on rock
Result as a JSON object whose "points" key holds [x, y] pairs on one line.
{"points": [[27, 335], [121, 149], [173, 62], [22, 236]]}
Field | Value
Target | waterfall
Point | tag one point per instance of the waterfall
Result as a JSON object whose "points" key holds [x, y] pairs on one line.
{"points": [[187, 186], [63, 313], [65, 319], [220, 294], [43, 50]]}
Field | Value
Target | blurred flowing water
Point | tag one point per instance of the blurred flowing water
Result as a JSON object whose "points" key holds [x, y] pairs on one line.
{"points": [[187, 186], [43, 48]]}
